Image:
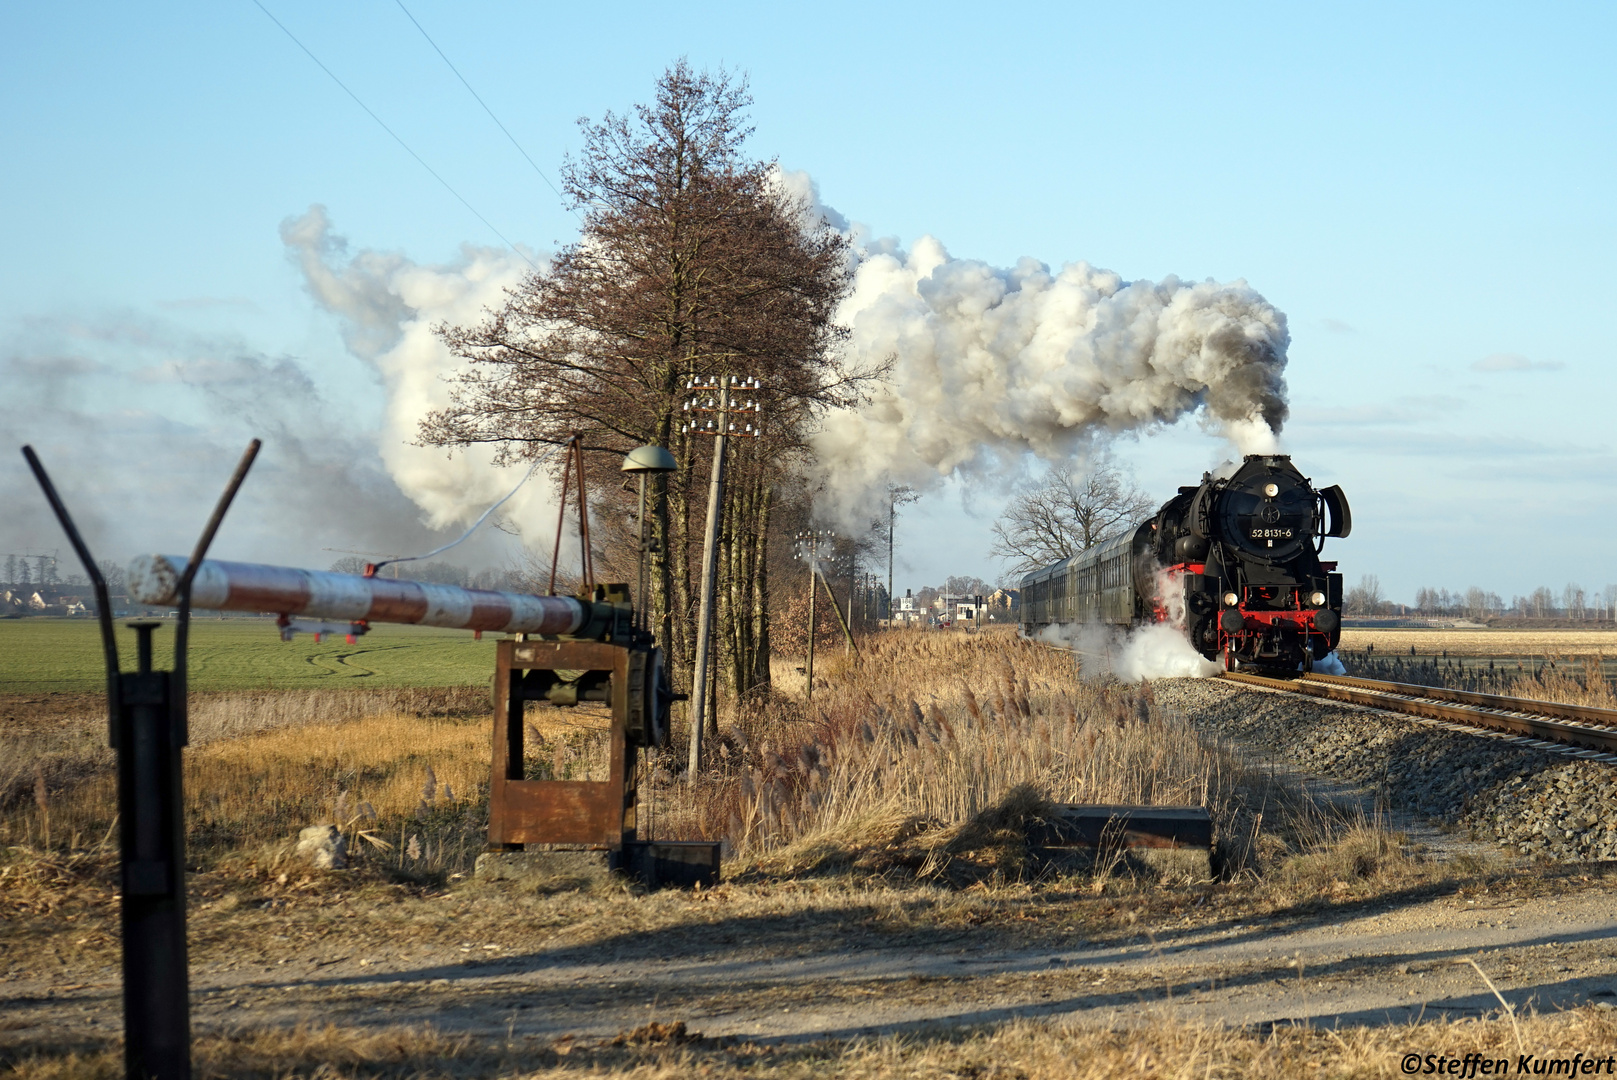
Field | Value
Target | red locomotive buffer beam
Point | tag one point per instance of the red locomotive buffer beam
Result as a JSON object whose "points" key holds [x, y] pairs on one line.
{"points": [[229, 586]]}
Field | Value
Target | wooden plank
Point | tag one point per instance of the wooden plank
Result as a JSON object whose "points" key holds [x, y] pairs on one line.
{"points": [[1093, 826]]}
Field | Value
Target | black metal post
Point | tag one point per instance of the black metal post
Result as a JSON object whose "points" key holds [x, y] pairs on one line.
{"points": [[151, 832], [147, 720], [642, 605]]}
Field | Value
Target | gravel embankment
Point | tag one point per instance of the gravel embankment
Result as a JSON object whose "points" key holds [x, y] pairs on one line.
{"points": [[1537, 803]]}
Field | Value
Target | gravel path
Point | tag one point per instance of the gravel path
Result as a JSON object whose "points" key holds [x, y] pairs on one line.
{"points": [[1372, 964]]}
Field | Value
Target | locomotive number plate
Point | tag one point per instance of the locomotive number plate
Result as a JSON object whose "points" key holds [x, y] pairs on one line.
{"points": [[1271, 534]]}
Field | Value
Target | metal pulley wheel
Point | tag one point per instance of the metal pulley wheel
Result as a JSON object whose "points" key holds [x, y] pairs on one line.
{"points": [[649, 695]]}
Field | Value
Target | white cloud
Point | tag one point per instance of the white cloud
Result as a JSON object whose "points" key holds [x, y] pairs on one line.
{"points": [[1514, 362]]}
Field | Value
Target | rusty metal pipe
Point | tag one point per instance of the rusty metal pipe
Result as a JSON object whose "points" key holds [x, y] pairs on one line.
{"points": [[281, 590]]}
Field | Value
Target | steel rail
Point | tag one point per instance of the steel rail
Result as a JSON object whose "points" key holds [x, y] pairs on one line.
{"points": [[1580, 714], [1572, 730]]}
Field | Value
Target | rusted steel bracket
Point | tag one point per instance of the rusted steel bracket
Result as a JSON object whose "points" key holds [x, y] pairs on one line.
{"points": [[589, 813]]}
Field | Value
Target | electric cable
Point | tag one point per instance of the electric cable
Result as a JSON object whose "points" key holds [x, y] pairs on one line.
{"points": [[479, 98], [419, 159], [538, 461]]}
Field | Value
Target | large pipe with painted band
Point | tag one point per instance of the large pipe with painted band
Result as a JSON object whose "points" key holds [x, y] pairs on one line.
{"points": [[281, 590]]}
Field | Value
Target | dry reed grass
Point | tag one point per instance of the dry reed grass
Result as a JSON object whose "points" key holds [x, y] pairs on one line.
{"points": [[65, 736], [926, 759], [929, 756], [408, 784], [1154, 1044], [385, 778], [1569, 680]]}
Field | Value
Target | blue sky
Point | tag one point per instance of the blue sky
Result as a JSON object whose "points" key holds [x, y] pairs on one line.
{"points": [[1425, 190]]}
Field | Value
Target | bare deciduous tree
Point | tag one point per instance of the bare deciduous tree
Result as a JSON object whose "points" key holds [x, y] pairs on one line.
{"points": [[1365, 598], [112, 574], [1541, 605], [691, 263], [1072, 508]]}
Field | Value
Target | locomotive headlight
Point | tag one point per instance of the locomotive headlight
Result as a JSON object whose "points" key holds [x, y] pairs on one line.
{"points": [[1230, 599], [1271, 490], [1317, 599]]}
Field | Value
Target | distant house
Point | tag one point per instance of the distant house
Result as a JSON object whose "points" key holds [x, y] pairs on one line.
{"points": [[41, 600], [908, 614], [956, 609]]}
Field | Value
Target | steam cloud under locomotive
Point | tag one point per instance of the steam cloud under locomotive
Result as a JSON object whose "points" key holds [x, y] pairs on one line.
{"points": [[1232, 566]]}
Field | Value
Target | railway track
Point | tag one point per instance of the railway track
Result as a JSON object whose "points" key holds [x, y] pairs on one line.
{"points": [[1576, 731]]}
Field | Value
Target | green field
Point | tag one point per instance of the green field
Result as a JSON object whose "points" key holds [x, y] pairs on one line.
{"points": [[56, 655]]}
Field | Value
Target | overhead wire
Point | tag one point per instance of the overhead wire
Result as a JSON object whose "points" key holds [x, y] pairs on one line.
{"points": [[479, 99], [396, 138], [538, 461]]}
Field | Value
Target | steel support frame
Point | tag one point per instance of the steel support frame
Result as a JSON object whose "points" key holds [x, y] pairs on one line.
{"points": [[582, 813]]}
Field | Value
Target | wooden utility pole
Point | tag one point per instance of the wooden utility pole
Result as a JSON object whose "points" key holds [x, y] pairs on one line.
{"points": [[847, 632], [847, 624], [896, 496], [808, 549], [809, 666], [721, 429]]}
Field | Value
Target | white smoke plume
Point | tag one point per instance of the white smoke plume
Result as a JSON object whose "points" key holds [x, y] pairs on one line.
{"points": [[988, 363], [388, 306], [140, 420], [1158, 650], [1151, 651], [1329, 664]]}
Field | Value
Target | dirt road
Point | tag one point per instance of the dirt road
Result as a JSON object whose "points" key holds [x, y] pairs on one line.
{"points": [[821, 970]]}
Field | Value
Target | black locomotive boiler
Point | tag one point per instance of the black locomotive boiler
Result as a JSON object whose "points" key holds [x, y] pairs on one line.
{"points": [[1234, 562]]}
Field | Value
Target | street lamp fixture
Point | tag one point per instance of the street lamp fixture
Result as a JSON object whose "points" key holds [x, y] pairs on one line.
{"points": [[640, 461]]}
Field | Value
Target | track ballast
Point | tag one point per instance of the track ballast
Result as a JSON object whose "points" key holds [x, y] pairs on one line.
{"points": [[1577, 731]]}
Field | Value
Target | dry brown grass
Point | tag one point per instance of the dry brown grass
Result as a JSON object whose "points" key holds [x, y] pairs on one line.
{"points": [[1569, 680], [925, 759], [1482, 642], [914, 771], [383, 778], [64, 736], [263, 765], [1154, 1045], [928, 757], [1573, 681]]}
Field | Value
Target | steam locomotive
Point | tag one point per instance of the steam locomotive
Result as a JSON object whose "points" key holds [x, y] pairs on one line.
{"points": [[1234, 562]]}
